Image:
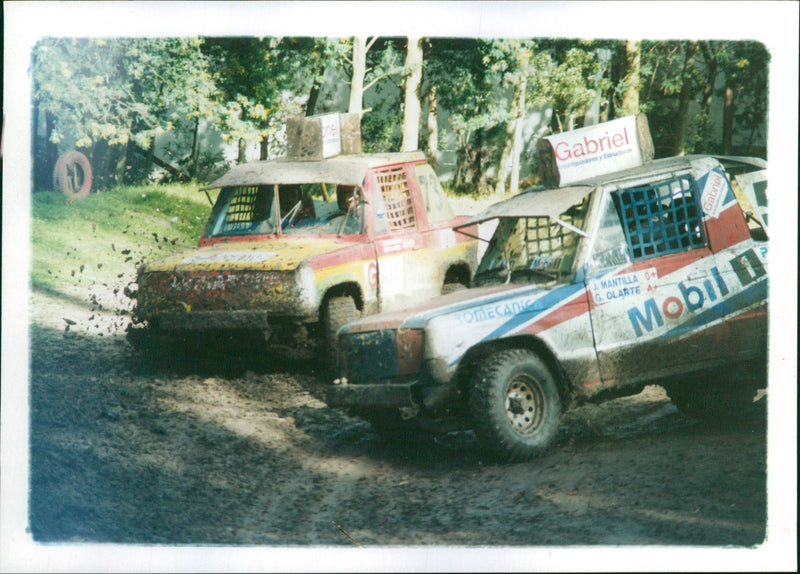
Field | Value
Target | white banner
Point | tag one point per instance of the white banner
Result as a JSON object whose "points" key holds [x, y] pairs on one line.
{"points": [[331, 135], [596, 150]]}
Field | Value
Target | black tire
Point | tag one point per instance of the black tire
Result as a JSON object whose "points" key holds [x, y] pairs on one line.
{"points": [[337, 312], [514, 406], [713, 402], [72, 175], [452, 288], [142, 339]]}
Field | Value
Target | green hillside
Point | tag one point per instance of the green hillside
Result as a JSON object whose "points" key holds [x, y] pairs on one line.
{"points": [[104, 237]]}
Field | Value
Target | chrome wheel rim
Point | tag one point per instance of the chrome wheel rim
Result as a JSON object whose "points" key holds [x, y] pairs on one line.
{"points": [[524, 405]]}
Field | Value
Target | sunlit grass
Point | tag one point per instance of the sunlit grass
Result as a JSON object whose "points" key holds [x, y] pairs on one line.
{"points": [[103, 237]]}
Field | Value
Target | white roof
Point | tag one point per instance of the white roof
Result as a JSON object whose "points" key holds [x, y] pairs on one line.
{"points": [[553, 202], [546, 203], [343, 169]]}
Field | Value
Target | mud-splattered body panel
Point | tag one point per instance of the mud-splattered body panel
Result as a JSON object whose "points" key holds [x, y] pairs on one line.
{"points": [[667, 281], [277, 252]]}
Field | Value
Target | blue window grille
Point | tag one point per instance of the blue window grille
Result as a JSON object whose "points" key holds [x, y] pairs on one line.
{"points": [[661, 218]]}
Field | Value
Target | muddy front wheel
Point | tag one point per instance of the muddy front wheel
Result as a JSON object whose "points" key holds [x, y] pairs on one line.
{"points": [[337, 312], [514, 405]]}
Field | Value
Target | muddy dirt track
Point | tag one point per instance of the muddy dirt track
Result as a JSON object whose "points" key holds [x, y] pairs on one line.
{"points": [[231, 449]]}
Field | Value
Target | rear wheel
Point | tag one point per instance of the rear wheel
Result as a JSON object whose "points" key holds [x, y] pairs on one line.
{"points": [[448, 288], [337, 312], [514, 405]]}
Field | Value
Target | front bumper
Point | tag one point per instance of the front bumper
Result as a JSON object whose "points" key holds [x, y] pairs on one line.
{"points": [[213, 320], [371, 396], [390, 395]]}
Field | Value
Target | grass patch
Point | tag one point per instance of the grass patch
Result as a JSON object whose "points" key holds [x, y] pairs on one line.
{"points": [[106, 236]]}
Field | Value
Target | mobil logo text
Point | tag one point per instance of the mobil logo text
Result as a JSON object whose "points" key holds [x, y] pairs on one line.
{"points": [[691, 297]]}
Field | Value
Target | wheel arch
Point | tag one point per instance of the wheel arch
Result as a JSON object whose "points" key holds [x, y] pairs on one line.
{"points": [[524, 342], [457, 272], [344, 289]]}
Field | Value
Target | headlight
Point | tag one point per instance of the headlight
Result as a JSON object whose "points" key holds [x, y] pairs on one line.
{"points": [[383, 354], [307, 286], [410, 350]]}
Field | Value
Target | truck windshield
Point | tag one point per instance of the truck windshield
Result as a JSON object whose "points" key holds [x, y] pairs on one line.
{"points": [[296, 209], [537, 249]]}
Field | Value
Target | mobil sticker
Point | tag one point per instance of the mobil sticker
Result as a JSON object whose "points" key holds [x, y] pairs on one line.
{"points": [[697, 302]]}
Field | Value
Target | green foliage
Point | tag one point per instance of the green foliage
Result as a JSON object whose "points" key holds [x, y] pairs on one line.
{"points": [[380, 129], [102, 238], [264, 81], [120, 90], [100, 95], [672, 70]]}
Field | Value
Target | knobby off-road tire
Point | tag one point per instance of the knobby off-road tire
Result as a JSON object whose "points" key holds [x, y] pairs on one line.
{"points": [[514, 406], [448, 288], [70, 166], [713, 402], [337, 312]]}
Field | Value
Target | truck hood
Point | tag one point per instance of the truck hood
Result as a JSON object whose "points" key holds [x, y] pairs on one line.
{"points": [[267, 255], [460, 302]]}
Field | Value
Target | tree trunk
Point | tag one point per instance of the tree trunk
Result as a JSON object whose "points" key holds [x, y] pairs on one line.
{"points": [[711, 66], [122, 163], [242, 157], [359, 72], [727, 122], [515, 164], [509, 159], [433, 128], [681, 121], [684, 98], [412, 108], [263, 149], [313, 94], [632, 81], [193, 163]]}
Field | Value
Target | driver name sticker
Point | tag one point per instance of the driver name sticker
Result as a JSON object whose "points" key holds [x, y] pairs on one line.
{"points": [[623, 286]]}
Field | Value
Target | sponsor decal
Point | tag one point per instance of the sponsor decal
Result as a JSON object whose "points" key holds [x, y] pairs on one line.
{"points": [[503, 309], [637, 283], [696, 297], [372, 274], [596, 150], [398, 244], [713, 195], [331, 135], [231, 257]]}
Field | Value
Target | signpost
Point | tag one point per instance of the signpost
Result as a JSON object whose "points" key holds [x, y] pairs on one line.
{"points": [[584, 153]]}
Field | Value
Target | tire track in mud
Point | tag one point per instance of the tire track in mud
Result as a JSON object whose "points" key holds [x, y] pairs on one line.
{"points": [[126, 450]]}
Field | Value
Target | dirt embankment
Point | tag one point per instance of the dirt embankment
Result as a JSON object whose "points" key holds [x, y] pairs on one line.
{"points": [[238, 448]]}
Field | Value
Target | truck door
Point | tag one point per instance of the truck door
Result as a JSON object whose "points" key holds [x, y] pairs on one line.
{"points": [[650, 278], [740, 252], [405, 275]]}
